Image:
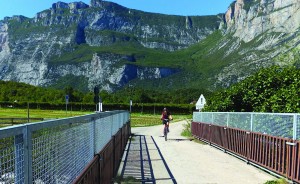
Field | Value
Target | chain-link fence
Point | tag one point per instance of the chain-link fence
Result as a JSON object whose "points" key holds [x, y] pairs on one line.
{"points": [[55, 151], [286, 125]]}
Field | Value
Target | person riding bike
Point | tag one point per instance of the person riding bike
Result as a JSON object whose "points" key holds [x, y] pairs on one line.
{"points": [[166, 117]]}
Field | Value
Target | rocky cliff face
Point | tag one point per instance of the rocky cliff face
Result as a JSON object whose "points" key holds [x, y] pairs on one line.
{"points": [[262, 33], [90, 42], [29, 46], [262, 16]]}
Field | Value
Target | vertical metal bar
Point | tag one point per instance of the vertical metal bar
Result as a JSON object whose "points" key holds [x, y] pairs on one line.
{"points": [[276, 154], [297, 161], [269, 141], [27, 137], [19, 165], [259, 159], [283, 157], [293, 160], [272, 152], [251, 123], [295, 127], [227, 122]]}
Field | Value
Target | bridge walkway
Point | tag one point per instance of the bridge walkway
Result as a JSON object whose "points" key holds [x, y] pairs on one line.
{"points": [[150, 159]]}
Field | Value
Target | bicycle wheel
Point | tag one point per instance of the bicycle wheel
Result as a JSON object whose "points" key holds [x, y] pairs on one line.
{"points": [[165, 133]]}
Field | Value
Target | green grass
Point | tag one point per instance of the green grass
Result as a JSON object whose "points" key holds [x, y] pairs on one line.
{"points": [[279, 181], [129, 179], [187, 130], [36, 113], [141, 120]]}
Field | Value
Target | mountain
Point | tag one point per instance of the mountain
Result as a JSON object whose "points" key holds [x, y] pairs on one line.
{"points": [[104, 44], [258, 34]]}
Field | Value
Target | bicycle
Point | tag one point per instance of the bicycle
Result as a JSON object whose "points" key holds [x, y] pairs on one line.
{"points": [[166, 128]]}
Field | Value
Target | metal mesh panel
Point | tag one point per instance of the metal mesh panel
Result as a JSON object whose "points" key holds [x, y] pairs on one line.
{"points": [[280, 125], [207, 118], [11, 161], [239, 120], [197, 117], [55, 151], [116, 124], [103, 132], [275, 124], [59, 154], [220, 119]]}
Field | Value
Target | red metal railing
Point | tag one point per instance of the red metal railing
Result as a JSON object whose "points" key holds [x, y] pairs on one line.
{"points": [[279, 155], [105, 164]]}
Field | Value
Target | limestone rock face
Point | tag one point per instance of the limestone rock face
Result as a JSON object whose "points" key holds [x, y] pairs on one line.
{"points": [[67, 40], [262, 16], [262, 33], [31, 49]]}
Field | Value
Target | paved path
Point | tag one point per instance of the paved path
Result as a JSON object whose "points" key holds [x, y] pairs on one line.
{"points": [[151, 159]]}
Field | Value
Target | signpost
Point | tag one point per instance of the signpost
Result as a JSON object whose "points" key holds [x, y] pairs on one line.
{"points": [[130, 105], [67, 101], [100, 104], [200, 103]]}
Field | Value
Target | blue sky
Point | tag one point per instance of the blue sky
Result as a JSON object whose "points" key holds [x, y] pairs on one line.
{"points": [[29, 8]]}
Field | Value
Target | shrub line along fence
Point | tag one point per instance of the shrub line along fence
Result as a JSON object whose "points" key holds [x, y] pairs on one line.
{"points": [[57, 151], [266, 139]]}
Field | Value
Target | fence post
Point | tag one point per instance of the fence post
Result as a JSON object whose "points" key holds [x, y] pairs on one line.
{"points": [[295, 127], [19, 175], [210, 134], [227, 123], [27, 137], [251, 122]]}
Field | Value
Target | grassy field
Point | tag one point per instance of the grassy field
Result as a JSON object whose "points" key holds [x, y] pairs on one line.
{"points": [[34, 113], [137, 119], [140, 120]]}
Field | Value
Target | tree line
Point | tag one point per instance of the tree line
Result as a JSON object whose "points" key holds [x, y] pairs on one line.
{"points": [[20, 92], [273, 89]]}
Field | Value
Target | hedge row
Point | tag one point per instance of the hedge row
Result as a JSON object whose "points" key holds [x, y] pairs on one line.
{"points": [[136, 107]]}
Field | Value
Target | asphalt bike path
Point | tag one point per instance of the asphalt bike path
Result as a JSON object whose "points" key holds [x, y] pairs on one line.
{"points": [[150, 159]]}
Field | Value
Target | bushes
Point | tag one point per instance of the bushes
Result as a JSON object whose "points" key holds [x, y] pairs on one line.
{"points": [[272, 89]]}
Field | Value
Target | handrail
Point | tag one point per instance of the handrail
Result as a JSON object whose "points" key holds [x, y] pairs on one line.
{"points": [[55, 151]]}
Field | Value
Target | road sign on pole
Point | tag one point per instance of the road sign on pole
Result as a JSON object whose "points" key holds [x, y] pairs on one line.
{"points": [[67, 101]]}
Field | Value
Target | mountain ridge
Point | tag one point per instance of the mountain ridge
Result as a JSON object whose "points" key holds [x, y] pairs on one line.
{"points": [[112, 46]]}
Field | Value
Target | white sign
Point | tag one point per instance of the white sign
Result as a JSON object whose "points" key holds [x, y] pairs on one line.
{"points": [[200, 103]]}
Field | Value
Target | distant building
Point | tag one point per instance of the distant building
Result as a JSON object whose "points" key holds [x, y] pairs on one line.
{"points": [[200, 103]]}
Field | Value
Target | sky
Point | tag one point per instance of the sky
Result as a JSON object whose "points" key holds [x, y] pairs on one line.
{"points": [[29, 8]]}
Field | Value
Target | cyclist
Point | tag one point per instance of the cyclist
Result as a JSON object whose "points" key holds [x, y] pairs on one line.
{"points": [[166, 117]]}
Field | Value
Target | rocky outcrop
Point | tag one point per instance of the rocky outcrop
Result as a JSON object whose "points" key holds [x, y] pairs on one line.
{"points": [[33, 50], [68, 40], [258, 33], [264, 16], [105, 72]]}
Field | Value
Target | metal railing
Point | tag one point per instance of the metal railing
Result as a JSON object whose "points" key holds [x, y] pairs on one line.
{"points": [[286, 125], [55, 151], [255, 137], [104, 167]]}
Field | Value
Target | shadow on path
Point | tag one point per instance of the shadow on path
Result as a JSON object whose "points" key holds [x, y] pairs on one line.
{"points": [[143, 162]]}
